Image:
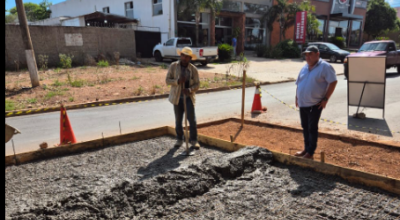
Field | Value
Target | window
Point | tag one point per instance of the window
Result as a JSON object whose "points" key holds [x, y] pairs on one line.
{"points": [[361, 3], [129, 9], [231, 6], [322, 47], [391, 47], [170, 43], [157, 7], [106, 10], [184, 43], [254, 8]]}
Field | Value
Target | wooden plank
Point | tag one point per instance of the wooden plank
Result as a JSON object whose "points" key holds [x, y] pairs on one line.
{"points": [[294, 129], [85, 146], [353, 176]]}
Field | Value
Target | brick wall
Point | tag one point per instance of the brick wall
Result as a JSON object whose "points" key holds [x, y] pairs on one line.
{"points": [[50, 41]]}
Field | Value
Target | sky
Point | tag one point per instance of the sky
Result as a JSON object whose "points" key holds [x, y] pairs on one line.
{"points": [[11, 3]]}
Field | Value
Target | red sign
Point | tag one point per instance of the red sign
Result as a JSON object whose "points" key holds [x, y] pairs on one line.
{"points": [[301, 27]]}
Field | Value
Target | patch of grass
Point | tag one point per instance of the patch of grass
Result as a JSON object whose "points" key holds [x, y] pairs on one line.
{"points": [[83, 67], [71, 99], [103, 63], [65, 89], [139, 91], [57, 83], [157, 87], [32, 101], [204, 84], [57, 70], [91, 84], [77, 83], [10, 106], [52, 94], [44, 87], [135, 78], [216, 79], [164, 66]]}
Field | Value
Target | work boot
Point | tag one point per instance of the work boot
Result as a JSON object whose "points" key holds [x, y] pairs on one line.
{"points": [[178, 143], [195, 145], [300, 153], [308, 156]]}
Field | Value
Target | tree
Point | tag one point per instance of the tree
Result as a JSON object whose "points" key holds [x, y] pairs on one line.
{"points": [[35, 12], [284, 14], [10, 18], [379, 18], [312, 21], [196, 7]]}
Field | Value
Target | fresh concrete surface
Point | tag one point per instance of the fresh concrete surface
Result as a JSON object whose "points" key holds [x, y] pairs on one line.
{"points": [[91, 123]]}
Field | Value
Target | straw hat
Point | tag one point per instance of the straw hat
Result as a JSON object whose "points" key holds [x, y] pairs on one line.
{"points": [[186, 51]]}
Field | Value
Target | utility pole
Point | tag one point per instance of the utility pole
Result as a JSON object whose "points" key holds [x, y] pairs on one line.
{"points": [[26, 37]]}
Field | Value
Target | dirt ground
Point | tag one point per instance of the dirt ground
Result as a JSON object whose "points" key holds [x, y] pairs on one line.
{"points": [[373, 159], [148, 180], [89, 84]]}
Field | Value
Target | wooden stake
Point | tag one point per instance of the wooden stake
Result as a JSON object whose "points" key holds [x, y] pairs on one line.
{"points": [[243, 93], [322, 156], [26, 37]]}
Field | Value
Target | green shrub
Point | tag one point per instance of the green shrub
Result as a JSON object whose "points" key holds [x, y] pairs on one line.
{"points": [[57, 83], [263, 51], [338, 41], [382, 38], [32, 101], [66, 60], [288, 48], [260, 50], [103, 63], [276, 53], [225, 52], [10, 106]]}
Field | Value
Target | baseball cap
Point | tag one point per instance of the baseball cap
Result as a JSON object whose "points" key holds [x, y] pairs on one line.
{"points": [[311, 48]]}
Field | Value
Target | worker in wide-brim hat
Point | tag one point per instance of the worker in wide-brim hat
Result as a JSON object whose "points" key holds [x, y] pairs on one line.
{"points": [[183, 78]]}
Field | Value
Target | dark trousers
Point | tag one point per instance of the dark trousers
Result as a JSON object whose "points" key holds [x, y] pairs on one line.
{"points": [[309, 121], [179, 116]]}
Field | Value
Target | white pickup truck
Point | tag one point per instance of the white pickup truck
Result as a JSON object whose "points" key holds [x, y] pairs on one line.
{"points": [[168, 51]]}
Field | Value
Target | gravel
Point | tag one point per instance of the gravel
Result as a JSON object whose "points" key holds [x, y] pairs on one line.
{"points": [[148, 180]]}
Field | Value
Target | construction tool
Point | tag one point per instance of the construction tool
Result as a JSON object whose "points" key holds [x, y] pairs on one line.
{"points": [[187, 152]]}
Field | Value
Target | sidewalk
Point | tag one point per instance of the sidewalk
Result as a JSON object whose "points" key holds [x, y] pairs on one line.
{"points": [[269, 70]]}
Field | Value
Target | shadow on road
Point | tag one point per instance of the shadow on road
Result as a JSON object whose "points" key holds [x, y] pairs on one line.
{"points": [[370, 126]]}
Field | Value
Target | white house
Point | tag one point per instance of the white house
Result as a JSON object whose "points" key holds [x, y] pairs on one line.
{"points": [[151, 15]]}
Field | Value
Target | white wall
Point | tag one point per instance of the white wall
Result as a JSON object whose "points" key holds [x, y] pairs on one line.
{"points": [[49, 22], [143, 11]]}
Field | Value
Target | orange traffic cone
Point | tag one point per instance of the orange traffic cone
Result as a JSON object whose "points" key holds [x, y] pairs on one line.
{"points": [[257, 107], [66, 133]]}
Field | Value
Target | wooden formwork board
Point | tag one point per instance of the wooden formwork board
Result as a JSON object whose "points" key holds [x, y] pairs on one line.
{"points": [[84, 146]]}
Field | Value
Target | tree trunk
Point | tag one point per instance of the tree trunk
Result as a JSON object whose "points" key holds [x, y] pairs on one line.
{"points": [[212, 28], [197, 17]]}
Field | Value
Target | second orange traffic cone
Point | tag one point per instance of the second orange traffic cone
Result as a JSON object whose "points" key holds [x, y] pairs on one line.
{"points": [[66, 133], [257, 107]]}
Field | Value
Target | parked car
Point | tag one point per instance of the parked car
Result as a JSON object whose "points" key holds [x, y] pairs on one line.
{"points": [[329, 51], [378, 48], [168, 50]]}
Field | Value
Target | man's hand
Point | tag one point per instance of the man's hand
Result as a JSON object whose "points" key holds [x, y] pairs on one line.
{"points": [[297, 104], [186, 92], [323, 104]]}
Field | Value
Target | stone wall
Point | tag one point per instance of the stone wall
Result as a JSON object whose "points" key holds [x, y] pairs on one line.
{"points": [[80, 42]]}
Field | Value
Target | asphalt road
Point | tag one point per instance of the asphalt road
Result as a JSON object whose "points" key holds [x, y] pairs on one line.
{"points": [[92, 123]]}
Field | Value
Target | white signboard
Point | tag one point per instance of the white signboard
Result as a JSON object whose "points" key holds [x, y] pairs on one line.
{"points": [[73, 40], [367, 81]]}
